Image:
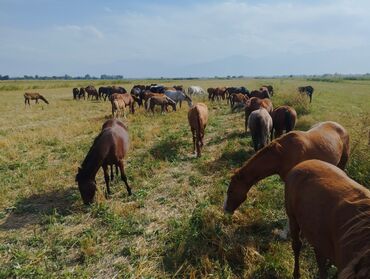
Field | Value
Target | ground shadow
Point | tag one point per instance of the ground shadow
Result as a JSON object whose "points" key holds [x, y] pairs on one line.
{"points": [[27, 211], [228, 160], [168, 149], [230, 136]]}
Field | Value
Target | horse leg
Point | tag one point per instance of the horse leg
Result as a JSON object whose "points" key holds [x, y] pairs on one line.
{"points": [[321, 263], [296, 245], [198, 145], [111, 172], [194, 139], [123, 177], [180, 103], [106, 178]]}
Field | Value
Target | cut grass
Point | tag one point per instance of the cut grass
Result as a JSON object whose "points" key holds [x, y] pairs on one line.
{"points": [[173, 225]]}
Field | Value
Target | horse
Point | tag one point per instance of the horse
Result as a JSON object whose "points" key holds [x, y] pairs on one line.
{"points": [[198, 118], [138, 91], [75, 93], [308, 90], [104, 92], [91, 91], [157, 88], [179, 88], [238, 100], [82, 93], [162, 101], [332, 212], [120, 102], [260, 125], [33, 96], [178, 96], [195, 90], [283, 118], [109, 148], [326, 141], [146, 95], [255, 103], [261, 94], [269, 88], [211, 91], [219, 93]]}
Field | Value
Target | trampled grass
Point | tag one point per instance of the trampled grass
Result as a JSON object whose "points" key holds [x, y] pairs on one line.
{"points": [[173, 225]]}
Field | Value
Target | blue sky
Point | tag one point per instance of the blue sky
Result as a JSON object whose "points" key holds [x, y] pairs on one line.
{"points": [[177, 38]]}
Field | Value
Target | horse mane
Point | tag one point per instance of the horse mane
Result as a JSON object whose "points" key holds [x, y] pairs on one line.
{"points": [[357, 231], [91, 160]]}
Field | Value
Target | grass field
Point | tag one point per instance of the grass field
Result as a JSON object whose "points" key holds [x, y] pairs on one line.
{"points": [[173, 225]]}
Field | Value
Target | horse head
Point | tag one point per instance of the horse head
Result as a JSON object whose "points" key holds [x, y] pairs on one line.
{"points": [[189, 100], [87, 187], [236, 192]]}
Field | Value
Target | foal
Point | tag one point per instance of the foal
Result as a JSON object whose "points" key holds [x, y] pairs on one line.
{"points": [[333, 213], [198, 118], [33, 96], [326, 141], [162, 101], [109, 148]]}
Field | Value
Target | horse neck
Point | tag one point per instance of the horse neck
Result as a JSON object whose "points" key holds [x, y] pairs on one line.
{"points": [[93, 161], [263, 164]]}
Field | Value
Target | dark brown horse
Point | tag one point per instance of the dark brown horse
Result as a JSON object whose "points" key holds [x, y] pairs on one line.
{"points": [[269, 88], [33, 96], [121, 101], [326, 141], [283, 118], [162, 101], [91, 91], [262, 94], [109, 148], [332, 212], [75, 92], [82, 93]]}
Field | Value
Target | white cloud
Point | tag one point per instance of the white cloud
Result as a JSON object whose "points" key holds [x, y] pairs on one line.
{"points": [[80, 31]]}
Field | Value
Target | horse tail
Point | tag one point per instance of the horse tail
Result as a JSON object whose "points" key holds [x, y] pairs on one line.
{"points": [[288, 121], [200, 127], [42, 98]]}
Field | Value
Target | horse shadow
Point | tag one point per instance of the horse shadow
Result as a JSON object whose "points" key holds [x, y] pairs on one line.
{"points": [[168, 149], [30, 210], [228, 160], [230, 136]]}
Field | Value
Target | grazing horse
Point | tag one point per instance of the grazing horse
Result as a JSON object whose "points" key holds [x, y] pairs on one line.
{"points": [[255, 103], [219, 93], [109, 148], [269, 88], [237, 100], [120, 102], [33, 96], [260, 125], [195, 90], [211, 91], [326, 141], [306, 90], [178, 96], [82, 93], [157, 88], [91, 91], [138, 91], [198, 118], [162, 101], [104, 92], [146, 95], [75, 93], [332, 212], [261, 94], [283, 118]]}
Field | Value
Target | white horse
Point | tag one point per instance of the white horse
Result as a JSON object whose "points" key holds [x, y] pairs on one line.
{"points": [[178, 96], [195, 90]]}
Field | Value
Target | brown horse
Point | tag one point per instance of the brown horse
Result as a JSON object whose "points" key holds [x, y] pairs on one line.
{"points": [[76, 93], [333, 213], [262, 94], [162, 101], [120, 102], [283, 118], [255, 103], [147, 95], [91, 91], [269, 88], [198, 118], [238, 100], [219, 93], [326, 141], [109, 148], [82, 93], [33, 96], [211, 92]]}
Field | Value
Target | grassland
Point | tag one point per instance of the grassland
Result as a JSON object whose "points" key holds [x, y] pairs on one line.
{"points": [[173, 225]]}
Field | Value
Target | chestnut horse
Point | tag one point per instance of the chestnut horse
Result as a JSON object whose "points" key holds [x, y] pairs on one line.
{"points": [[283, 118], [109, 148], [198, 118], [255, 103], [162, 101], [33, 96], [332, 212], [261, 94], [120, 102], [326, 141]]}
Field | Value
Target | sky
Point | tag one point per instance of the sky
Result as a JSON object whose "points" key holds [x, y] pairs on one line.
{"points": [[184, 38]]}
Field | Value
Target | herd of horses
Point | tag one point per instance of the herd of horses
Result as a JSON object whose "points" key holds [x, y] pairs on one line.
{"points": [[322, 203]]}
